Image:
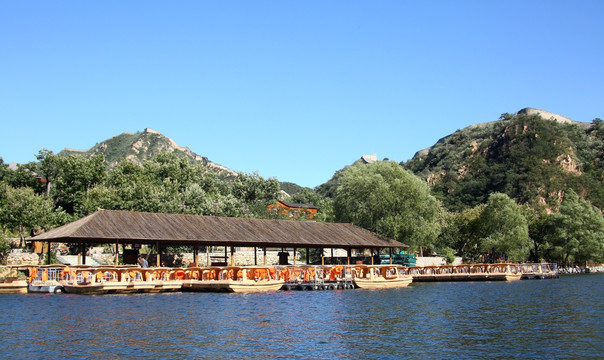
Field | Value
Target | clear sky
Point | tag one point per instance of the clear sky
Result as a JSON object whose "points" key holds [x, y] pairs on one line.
{"points": [[292, 90]]}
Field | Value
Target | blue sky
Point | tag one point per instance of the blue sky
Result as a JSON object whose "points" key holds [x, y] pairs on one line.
{"points": [[292, 90]]}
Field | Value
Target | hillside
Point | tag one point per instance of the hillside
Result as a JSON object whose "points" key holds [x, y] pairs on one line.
{"points": [[141, 146], [533, 156]]}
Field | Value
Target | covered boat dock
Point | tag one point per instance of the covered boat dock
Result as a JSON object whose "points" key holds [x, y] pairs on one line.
{"points": [[161, 230]]}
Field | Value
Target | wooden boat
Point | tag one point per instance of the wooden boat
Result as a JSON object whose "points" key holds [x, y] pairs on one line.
{"points": [[379, 277], [95, 281], [10, 282], [504, 272], [166, 279], [234, 279], [139, 280]]}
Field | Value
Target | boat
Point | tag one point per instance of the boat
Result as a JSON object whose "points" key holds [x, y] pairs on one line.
{"points": [[233, 279], [504, 272], [139, 280], [46, 279], [11, 282], [165, 279], [379, 277], [95, 281], [316, 277]]}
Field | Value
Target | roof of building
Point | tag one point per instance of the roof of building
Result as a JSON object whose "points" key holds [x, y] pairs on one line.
{"points": [[111, 226], [297, 205]]}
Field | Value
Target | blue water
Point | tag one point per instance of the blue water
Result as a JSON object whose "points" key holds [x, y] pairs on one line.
{"points": [[561, 318]]}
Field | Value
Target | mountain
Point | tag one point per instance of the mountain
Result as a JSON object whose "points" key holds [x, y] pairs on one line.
{"points": [[534, 156], [140, 146]]}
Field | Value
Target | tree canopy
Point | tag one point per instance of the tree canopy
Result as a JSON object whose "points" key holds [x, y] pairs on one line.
{"points": [[385, 198]]}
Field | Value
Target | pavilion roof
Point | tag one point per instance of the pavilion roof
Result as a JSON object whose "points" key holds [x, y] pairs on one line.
{"points": [[111, 226]]}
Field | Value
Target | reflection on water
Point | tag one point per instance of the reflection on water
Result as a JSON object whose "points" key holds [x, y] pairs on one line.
{"points": [[527, 319]]}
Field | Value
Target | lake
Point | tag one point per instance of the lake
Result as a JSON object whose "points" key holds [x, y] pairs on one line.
{"points": [[560, 318]]}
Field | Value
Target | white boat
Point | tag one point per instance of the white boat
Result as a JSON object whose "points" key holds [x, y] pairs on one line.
{"points": [[46, 279]]}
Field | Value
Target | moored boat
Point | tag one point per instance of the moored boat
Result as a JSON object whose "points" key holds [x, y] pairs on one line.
{"points": [[504, 272], [234, 279], [379, 277], [46, 279]]}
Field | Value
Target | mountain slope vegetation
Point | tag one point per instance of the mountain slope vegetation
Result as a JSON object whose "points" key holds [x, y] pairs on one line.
{"points": [[531, 159]]}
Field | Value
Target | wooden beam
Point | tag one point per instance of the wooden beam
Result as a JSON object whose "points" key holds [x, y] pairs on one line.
{"points": [[232, 256], [295, 256], [158, 263], [307, 255], [195, 250], [255, 256], [264, 250], [48, 255], [117, 251], [349, 254]]}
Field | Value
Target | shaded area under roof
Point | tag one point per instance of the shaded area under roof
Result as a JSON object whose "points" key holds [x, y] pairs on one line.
{"points": [[111, 226]]}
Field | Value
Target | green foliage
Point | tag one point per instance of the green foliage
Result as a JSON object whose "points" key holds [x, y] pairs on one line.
{"points": [[23, 211], [530, 159], [577, 232], [385, 198], [4, 249], [504, 229]]}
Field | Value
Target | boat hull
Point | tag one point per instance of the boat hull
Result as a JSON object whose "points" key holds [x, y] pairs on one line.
{"points": [[235, 286], [382, 284], [14, 287]]}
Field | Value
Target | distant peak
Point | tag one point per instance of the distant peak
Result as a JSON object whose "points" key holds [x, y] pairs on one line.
{"points": [[546, 115]]}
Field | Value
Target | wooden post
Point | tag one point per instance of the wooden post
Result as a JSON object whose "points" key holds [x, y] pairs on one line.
{"points": [[371, 252], [255, 256], [48, 256], [232, 255], [349, 254], [208, 256], [322, 256], [195, 250], [226, 255], [307, 255], [158, 254], [295, 256], [264, 251], [117, 251], [331, 261], [390, 256], [83, 254]]}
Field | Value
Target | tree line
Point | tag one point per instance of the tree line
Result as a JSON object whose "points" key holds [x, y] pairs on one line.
{"points": [[382, 197]]}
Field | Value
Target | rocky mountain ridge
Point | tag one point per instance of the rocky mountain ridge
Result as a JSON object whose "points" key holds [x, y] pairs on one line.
{"points": [[140, 146]]}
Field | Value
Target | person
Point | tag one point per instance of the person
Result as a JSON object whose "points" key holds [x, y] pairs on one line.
{"points": [[144, 263]]}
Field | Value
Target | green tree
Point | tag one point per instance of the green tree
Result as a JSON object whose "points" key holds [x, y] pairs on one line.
{"points": [[504, 229], [389, 200], [47, 167], [76, 177], [578, 231], [460, 232], [255, 192], [23, 211]]}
